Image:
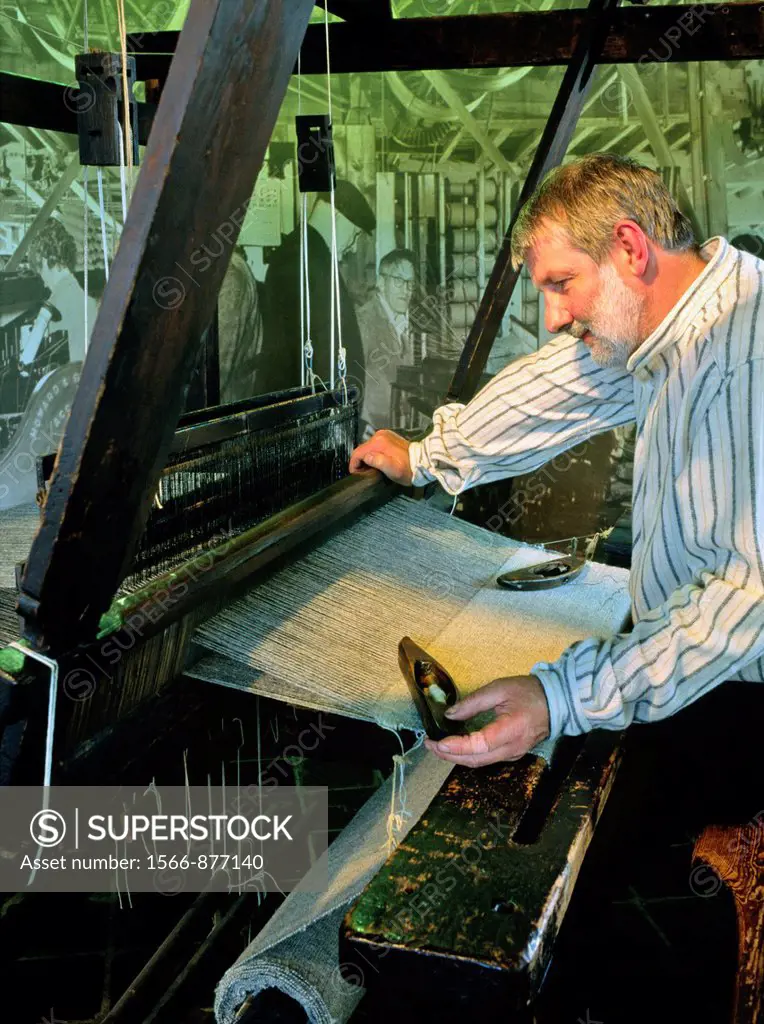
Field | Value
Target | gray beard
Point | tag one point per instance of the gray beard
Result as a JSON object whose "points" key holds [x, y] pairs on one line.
{"points": [[612, 353], [615, 323]]}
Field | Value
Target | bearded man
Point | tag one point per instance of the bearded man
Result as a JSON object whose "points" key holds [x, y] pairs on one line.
{"points": [[654, 329]]}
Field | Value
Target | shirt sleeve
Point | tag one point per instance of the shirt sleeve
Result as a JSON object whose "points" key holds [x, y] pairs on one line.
{"points": [[534, 409], [707, 630]]}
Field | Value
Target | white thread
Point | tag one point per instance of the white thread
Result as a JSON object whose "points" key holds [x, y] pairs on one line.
{"points": [[127, 880], [302, 303], [50, 733], [53, 666], [187, 783], [335, 314], [307, 347], [328, 65], [102, 212], [85, 255], [122, 174], [397, 818], [332, 293], [591, 547], [238, 795], [453, 507], [122, 27], [302, 254], [259, 778]]}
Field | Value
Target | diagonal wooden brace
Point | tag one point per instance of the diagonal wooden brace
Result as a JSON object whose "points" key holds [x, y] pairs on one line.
{"points": [[226, 84]]}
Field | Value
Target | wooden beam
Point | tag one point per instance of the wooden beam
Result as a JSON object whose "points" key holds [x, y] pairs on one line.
{"points": [[214, 123], [574, 89], [363, 11], [34, 104], [487, 939], [633, 35]]}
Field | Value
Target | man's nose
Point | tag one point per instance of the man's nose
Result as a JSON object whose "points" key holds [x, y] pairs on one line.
{"points": [[556, 315]]}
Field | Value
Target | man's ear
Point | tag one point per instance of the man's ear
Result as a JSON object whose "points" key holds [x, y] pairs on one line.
{"points": [[631, 249]]}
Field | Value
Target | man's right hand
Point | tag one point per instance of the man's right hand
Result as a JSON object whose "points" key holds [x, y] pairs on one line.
{"points": [[386, 451]]}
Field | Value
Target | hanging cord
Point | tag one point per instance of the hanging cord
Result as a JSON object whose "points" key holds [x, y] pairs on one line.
{"points": [[338, 366], [122, 184], [85, 254], [341, 352], [592, 540], [399, 812], [102, 212], [86, 196], [125, 158], [302, 255], [127, 136], [307, 375], [307, 342]]}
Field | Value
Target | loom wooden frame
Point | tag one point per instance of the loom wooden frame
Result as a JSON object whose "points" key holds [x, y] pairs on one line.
{"points": [[109, 462], [622, 36]]}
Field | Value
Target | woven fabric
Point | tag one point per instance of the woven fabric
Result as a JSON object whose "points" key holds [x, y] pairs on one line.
{"points": [[298, 950], [328, 626], [324, 633]]}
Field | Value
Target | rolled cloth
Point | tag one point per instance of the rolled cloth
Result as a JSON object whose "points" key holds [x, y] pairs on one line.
{"points": [[475, 629]]}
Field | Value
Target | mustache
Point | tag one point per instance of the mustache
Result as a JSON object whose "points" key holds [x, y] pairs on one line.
{"points": [[578, 330]]}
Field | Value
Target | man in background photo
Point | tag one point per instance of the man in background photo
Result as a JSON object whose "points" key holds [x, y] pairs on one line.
{"points": [[281, 357], [386, 333], [240, 330], [53, 255]]}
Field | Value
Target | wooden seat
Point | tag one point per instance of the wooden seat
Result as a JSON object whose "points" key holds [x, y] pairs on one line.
{"points": [[736, 855]]}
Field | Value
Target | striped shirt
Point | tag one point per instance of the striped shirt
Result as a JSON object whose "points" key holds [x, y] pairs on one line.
{"points": [[695, 389]]}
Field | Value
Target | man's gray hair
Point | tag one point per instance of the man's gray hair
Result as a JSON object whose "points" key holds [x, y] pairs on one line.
{"points": [[588, 196]]}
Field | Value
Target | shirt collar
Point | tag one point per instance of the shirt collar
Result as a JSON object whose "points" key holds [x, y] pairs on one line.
{"points": [[690, 309]]}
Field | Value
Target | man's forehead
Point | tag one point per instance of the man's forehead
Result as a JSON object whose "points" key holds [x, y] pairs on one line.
{"points": [[402, 269], [551, 255]]}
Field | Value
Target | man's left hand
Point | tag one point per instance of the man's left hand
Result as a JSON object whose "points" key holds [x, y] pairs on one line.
{"points": [[522, 721]]}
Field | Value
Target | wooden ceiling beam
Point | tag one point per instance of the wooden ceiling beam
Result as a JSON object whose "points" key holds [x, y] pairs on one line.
{"points": [[634, 35]]}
